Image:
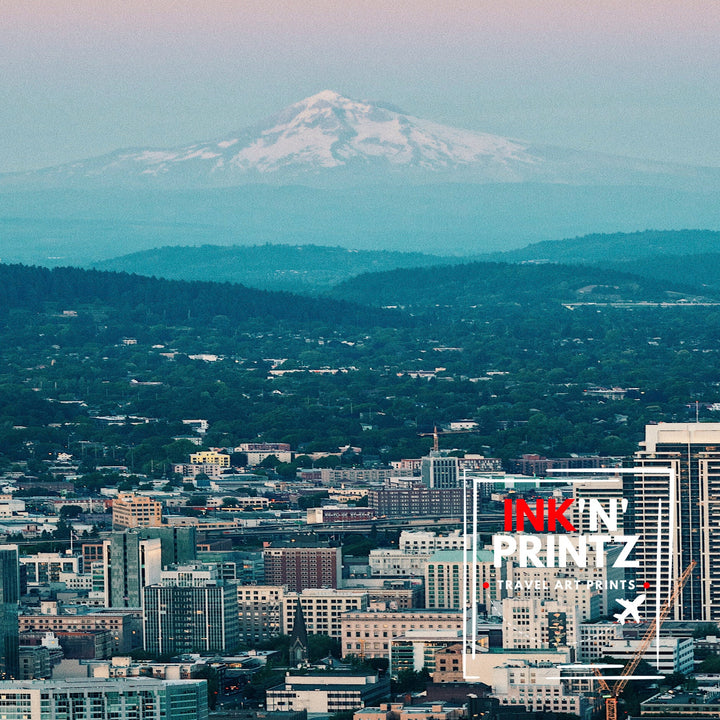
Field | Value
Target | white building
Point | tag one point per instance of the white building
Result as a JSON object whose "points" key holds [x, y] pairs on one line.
{"points": [[327, 693], [541, 624], [594, 638], [425, 543], [676, 654], [448, 579], [322, 608], [368, 634], [536, 687], [396, 563]]}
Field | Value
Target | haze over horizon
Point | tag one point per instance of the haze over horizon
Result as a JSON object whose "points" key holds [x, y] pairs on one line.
{"points": [[85, 78]]}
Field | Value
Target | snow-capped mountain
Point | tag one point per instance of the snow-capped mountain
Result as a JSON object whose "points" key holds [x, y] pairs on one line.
{"points": [[328, 138]]}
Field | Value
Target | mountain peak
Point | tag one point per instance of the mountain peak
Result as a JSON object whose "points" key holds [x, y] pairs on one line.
{"points": [[328, 138], [324, 96]]}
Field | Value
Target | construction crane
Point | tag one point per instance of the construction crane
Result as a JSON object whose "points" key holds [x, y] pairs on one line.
{"points": [[435, 435], [612, 693]]}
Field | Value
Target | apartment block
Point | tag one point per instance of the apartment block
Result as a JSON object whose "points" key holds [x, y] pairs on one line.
{"points": [[131, 511], [323, 609], [300, 568], [260, 612]]}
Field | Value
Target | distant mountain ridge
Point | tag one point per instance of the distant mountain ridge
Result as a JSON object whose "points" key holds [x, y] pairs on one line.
{"points": [[294, 268], [328, 140]]}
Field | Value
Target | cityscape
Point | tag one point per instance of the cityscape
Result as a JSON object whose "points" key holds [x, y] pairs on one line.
{"points": [[364, 591], [359, 360]]}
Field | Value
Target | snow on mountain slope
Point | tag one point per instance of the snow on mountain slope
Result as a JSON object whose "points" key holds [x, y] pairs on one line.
{"points": [[328, 138]]}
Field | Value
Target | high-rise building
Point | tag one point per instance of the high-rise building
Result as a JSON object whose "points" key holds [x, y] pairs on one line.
{"points": [[260, 611], [9, 604], [105, 699], [131, 563], [448, 579], [191, 610], [440, 471], [303, 567], [178, 544], [691, 504]]}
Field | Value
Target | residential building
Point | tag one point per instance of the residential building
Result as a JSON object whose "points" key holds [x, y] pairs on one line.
{"points": [[537, 687], [43, 568], [416, 649], [300, 568], [124, 628], [367, 634], [448, 579], [190, 610], [257, 452], [178, 545], [131, 511], [327, 693], [102, 699], [692, 501], [531, 623], [34, 662], [396, 594], [131, 564], [210, 457], [323, 609], [419, 500], [594, 637], [260, 612], [9, 605]]}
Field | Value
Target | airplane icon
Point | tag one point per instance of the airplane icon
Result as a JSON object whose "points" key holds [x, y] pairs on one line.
{"points": [[632, 608]]}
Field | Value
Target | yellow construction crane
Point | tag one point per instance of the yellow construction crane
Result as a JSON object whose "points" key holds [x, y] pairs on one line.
{"points": [[612, 693]]}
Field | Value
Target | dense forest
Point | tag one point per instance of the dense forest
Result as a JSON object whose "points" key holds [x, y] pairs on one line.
{"points": [[523, 350]]}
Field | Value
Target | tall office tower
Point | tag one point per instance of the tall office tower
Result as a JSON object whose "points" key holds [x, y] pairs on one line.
{"points": [[9, 603], [131, 563], [675, 520], [440, 471], [191, 610], [178, 544]]}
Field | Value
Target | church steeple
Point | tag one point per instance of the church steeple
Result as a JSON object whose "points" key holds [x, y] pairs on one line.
{"points": [[298, 650]]}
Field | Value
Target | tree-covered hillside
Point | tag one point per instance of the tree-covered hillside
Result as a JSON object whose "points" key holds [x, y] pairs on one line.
{"points": [[526, 351]]}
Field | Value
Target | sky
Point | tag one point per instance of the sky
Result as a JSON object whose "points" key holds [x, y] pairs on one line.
{"points": [[80, 78]]}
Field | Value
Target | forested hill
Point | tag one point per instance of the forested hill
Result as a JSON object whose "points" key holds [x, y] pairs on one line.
{"points": [[295, 268], [146, 299], [460, 287], [608, 249]]}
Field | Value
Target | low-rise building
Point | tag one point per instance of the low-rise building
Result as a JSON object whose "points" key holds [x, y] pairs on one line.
{"points": [[389, 562], [105, 699], [327, 692], [368, 634], [673, 654], [538, 687]]}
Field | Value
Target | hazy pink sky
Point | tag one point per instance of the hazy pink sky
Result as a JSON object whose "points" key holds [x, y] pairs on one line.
{"points": [[79, 78]]}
